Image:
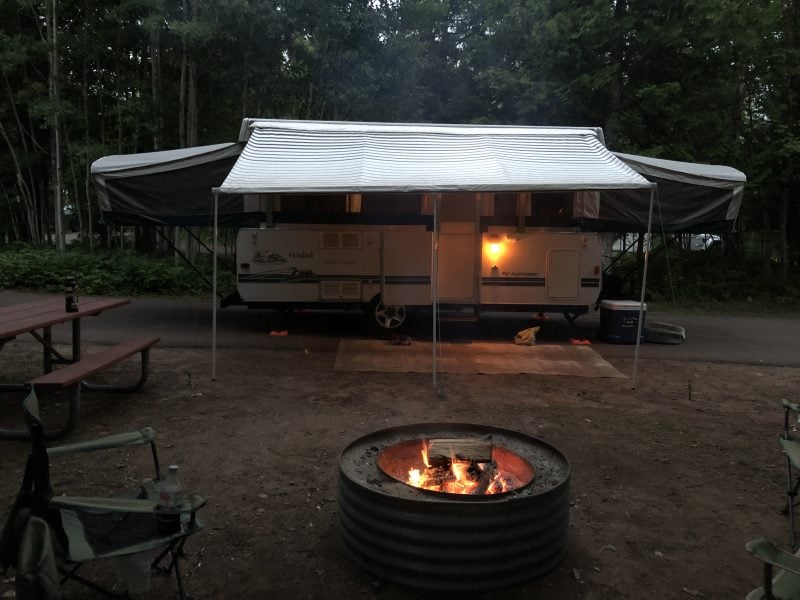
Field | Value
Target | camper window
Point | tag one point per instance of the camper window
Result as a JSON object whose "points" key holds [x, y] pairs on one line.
{"points": [[391, 204], [552, 209], [505, 205], [313, 203], [458, 207]]}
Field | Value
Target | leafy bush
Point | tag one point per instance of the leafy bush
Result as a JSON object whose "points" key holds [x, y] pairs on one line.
{"points": [[712, 280], [104, 272]]}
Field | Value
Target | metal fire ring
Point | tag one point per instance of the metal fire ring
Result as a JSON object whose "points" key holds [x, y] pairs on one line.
{"points": [[446, 542]]}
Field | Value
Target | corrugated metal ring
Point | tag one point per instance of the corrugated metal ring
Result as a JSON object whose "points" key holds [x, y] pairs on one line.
{"points": [[446, 542]]}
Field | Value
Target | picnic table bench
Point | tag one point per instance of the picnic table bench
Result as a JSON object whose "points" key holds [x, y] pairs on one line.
{"points": [[74, 376], [42, 315]]}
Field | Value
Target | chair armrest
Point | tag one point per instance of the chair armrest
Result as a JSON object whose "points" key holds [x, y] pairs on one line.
{"points": [[190, 504], [792, 450], [795, 406], [769, 553], [143, 436], [194, 503], [85, 503]]}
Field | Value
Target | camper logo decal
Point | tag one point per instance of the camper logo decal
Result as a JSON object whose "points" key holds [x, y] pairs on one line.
{"points": [[302, 254], [268, 257]]}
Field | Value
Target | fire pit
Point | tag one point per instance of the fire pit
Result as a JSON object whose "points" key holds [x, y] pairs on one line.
{"points": [[453, 507]]}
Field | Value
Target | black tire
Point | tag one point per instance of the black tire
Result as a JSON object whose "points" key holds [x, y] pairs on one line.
{"points": [[387, 319]]}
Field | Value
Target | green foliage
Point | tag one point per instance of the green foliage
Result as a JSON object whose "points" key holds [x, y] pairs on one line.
{"points": [[105, 273], [712, 81], [711, 280]]}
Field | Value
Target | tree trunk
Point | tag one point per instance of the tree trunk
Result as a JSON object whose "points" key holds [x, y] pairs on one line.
{"points": [[23, 189], [118, 90], [76, 205], [617, 82], [309, 98], [192, 118], [155, 73], [87, 178], [767, 239], [89, 212], [12, 216], [182, 88], [191, 109], [784, 241], [56, 174]]}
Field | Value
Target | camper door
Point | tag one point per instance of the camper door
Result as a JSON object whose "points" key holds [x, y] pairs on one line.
{"points": [[408, 256]]}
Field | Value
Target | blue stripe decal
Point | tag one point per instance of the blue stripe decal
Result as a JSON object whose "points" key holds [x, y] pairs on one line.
{"points": [[514, 281], [408, 280], [306, 277]]}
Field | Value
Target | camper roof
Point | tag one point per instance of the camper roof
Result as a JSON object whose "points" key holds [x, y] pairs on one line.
{"points": [[329, 157]]}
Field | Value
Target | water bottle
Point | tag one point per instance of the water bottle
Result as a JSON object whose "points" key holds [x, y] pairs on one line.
{"points": [[71, 294], [170, 498]]}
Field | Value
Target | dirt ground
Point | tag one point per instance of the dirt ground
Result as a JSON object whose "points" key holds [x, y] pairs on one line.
{"points": [[668, 481]]}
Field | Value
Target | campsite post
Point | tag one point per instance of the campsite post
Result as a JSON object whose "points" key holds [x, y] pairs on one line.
{"points": [[644, 283], [434, 279], [214, 293]]}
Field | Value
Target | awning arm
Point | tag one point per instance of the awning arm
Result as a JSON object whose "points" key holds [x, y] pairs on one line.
{"points": [[644, 282]]}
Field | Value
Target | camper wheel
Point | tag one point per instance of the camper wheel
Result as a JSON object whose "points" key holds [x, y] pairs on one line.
{"points": [[387, 319]]}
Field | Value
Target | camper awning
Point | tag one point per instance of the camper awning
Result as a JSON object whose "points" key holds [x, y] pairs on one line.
{"points": [[329, 157], [171, 187], [174, 187], [690, 197]]}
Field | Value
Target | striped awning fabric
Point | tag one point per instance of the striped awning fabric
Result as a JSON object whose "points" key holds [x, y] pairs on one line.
{"points": [[340, 157]]}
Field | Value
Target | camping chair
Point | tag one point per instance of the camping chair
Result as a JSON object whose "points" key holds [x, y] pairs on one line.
{"points": [[791, 448], [48, 538], [783, 586]]}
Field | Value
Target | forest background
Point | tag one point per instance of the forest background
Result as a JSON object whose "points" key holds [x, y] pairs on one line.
{"points": [[711, 81]]}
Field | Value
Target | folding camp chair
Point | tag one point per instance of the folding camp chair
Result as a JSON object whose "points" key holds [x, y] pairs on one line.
{"points": [[791, 449], [48, 537], [785, 585]]}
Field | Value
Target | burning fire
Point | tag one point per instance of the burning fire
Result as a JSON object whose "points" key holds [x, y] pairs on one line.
{"points": [[460, 476]]}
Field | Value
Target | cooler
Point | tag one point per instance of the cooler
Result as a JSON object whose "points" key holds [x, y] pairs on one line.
{"points": [[619, 321]]}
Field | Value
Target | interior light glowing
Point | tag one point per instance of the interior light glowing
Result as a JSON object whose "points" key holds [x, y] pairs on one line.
{"points": [[494, 249]]}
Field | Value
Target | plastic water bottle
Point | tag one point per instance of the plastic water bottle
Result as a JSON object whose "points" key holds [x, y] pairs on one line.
{"points": [[71, 294], [170, 498]]}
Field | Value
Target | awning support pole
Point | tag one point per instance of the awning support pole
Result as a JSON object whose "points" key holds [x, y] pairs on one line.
{"points": [[648, 241], [434, 280], [214, 294]]}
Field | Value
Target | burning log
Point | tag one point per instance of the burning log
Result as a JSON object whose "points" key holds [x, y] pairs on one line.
{"points": [[441, 451], [486, 477]]}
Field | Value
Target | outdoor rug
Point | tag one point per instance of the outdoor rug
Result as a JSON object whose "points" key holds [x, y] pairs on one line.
{"points": [[489, 358]]}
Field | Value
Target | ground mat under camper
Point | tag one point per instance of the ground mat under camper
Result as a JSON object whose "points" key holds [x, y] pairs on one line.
{"points": [[488, 358]]}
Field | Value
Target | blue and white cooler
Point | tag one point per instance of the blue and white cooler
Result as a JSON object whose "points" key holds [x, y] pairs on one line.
{"points": [[619, 321]]}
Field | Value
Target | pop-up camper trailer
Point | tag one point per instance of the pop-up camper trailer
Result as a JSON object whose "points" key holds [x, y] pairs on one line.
{"points": [[356, 213], [390, 217]]}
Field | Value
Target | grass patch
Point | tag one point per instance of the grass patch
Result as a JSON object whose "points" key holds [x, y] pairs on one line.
{"points": [[709, 282], [105, 272], [705, 282]]}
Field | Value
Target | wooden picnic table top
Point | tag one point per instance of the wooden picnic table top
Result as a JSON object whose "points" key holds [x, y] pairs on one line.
{"points": [[38, 314]]}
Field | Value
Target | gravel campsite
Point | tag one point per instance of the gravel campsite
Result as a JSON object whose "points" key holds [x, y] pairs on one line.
{"points": [[668, 480]]}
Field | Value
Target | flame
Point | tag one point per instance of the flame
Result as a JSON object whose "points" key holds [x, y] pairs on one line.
{"points": [[415, 477], [459, 476]]}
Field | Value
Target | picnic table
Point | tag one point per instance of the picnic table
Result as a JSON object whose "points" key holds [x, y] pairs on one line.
{"points": [[37, 318]]}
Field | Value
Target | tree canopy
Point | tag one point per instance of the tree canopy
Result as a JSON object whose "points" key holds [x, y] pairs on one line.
{"points": [[712, 81]]}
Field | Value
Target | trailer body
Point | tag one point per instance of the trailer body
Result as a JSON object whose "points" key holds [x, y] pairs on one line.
{"points": [[481, 265]]}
